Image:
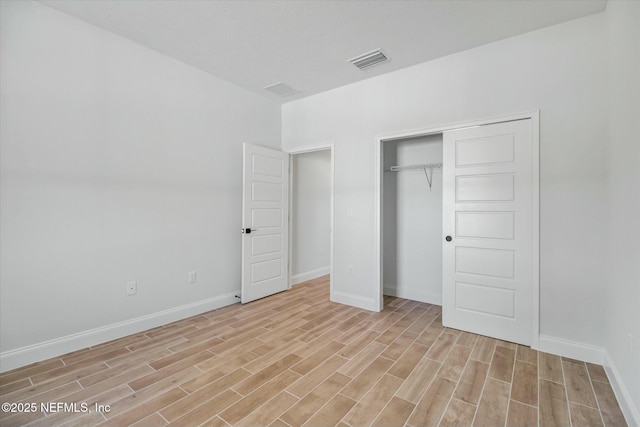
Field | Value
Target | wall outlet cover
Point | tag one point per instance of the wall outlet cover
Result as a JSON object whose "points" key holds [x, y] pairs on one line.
{"points": [[132, 288]]}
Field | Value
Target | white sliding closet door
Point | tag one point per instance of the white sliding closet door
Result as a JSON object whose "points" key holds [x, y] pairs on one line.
{"points": [[488, 230]]}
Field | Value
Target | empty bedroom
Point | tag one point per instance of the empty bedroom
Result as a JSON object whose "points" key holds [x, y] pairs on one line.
{"points": [[319, 213]]}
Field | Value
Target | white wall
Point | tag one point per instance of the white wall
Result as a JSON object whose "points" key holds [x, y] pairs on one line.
{"points": [[118, 164], [311, 210], [622, 280], [412, 221], [560, 70]]}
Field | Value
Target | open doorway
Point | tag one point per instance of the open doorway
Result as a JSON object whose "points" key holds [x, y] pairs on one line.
{"points": [[412, 218], [311, 215], [287, 219]]}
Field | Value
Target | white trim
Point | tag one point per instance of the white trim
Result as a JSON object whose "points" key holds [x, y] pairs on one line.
{"points": [[454, 126], [327, 145], [378, 245], [290, 224], [34, 353], [354, 300], [332, 220], [310, 275], [629, 409], [573, 349], [308, 149], [413, 294], [535, 219]]}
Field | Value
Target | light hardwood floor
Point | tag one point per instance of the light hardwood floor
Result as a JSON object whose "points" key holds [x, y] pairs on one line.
{"points": [[297, 359]]}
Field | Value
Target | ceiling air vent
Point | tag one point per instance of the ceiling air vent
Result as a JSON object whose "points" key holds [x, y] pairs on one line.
{"points": [[369, 59], [281, 89]]}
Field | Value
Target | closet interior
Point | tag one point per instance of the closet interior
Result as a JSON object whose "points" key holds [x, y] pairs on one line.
{"points": [[412, 218]]}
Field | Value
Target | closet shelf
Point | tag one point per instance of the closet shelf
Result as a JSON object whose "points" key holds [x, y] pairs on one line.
{"points": [[410, 167], [424, 167]]}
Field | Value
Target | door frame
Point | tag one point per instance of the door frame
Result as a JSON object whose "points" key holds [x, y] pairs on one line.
{"points": [[303, 150], [379, 196]]}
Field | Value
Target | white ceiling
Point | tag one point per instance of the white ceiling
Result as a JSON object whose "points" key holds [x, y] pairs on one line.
{"points": [[306, 44]]}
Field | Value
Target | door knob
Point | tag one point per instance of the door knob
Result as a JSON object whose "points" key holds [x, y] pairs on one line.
{"points": [[448, 238], [246, 230]]}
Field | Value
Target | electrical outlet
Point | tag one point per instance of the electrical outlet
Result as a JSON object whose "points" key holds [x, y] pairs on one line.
{"points": [[349, 270], [132, 288], [350, 213], [192, 277]]}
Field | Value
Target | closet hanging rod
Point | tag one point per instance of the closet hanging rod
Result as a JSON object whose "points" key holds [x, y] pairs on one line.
{"points": [[410, 167]]}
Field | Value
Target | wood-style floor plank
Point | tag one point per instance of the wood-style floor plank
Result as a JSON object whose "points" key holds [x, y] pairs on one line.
{"points": [[522, 415], [524, 388], [584, 416], [354, 366], [550, 367], [207, 411], [203, 395], [414, 386], [472, 382], [492, 409], [137, 413], [367, 378], [483, 350], [527, 354], [553, 409], [458, 414], [297, 359], [597, 373], [433, 403], [408, 361], [332, 412], [257, 398], [455, 362], [373, 402], [312, 402], [611, 413], [395, 413], [502, 364], [270, 411], [578, 384]]}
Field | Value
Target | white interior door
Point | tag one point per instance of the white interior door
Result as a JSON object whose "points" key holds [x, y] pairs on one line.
{"points": [[265, 211], [488, 230]]}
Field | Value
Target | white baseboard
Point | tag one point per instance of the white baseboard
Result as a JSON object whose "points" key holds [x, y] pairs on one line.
{"points": [[599, 355], [309, 275], [629, 409], [354, 300], [413, 294], [34, 353], [573, 349]]}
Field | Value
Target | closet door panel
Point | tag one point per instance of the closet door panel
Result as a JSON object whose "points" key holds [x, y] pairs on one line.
{"points": [[483, 151], [487, 226]]}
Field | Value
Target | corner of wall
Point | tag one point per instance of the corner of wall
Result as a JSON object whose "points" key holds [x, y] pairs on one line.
{"points": [[628, 407], [412, 294], [309, 275]]}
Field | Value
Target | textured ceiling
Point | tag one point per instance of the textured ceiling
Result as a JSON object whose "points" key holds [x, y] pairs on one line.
{"points": [[306, 44]]}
